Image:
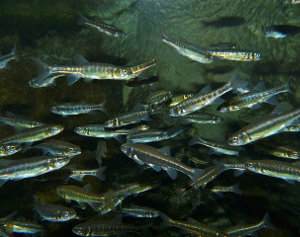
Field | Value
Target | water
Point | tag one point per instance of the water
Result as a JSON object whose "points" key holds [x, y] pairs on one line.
{"points": [[49, 30]]}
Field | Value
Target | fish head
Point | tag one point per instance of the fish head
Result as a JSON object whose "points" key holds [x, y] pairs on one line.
{"points": [[127, 149], [58, 162], [223, 109], [81, 230], [112, 123], [83, 130], [9, 149], [176, 111], [239, 139], [72, 151], [55, 129]]}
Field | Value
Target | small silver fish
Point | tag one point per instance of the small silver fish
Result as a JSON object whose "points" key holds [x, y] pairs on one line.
{"points": [[128, 119], [188, 50], [69, 109], [245, 230], [30, 167], [140, 212], [234, 55], [251, 99], [99, 131], [200, 100], [19, 122], [59, 148], [153, 135], [264, 128], [144, 154], [79, 174], [90, 71], [217, 147], [55, 213], [33, 135], [102, 27]]}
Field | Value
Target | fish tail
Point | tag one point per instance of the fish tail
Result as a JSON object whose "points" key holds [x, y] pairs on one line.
{"points": [[82, 20], [238, 84], [101, 107], [196, 174], [44, 70], [236, 189], [142, 67], [100, 173]]}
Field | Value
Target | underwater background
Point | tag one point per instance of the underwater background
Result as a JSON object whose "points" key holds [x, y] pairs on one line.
{"points": [[49, 30]]}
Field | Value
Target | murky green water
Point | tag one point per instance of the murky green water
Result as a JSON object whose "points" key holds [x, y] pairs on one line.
{"points": [[49, 30]]}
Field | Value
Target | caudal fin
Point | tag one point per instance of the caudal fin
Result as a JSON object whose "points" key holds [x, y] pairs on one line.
{"points": [[44, 70], [100, 173], [196, 174]]}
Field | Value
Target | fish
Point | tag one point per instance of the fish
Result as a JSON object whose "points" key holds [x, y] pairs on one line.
{"points": [[92, 71], [280, 151], [128, 119], [102, 27], [202, 118], [281, 31], [79, 174], [80, 195], [219, 148], [188, 50], [33, 135], [159, 97], [104, 228], [201, 100], [226, 189], [153, 135], [19, 123], [69, 109], [5, 59], [30, 167], [263, 128], [9, 149], [225, 21], [58, 148], [21, 227], [99, 131], [55, 212], [252, 99], [234, 55], [133, 189], [245, 230], [144, 154], [179, 98], [278, 169], [195, 228], [140, 212]]}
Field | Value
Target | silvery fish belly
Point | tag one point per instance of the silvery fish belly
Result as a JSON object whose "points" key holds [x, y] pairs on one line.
{"points": [[30, 167]]}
